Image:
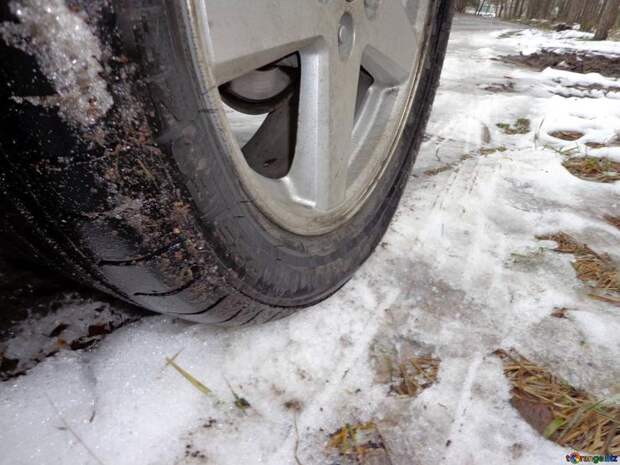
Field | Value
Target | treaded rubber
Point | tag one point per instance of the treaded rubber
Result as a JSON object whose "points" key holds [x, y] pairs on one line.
{"points": [[130, 206]]}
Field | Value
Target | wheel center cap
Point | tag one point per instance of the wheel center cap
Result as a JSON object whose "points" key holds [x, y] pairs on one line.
{"points": [[346, 35]]}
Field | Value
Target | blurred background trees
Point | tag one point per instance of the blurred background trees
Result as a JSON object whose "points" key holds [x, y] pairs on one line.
{"points": [[598, 16]]}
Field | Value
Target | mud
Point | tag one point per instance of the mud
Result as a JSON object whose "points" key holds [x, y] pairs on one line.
{"points": [[498, 87], [576, 62], [589, 91], [133, 195]]}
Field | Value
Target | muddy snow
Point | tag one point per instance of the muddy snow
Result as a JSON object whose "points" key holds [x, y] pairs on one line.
{"points": [[49, 30], [459, 275]]}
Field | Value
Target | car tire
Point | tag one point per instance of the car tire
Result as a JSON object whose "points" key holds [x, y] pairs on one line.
{"points": [[123, 198]]}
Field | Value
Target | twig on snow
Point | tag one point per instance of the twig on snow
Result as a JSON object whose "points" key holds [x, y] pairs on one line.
{"points": [[67, 427]]}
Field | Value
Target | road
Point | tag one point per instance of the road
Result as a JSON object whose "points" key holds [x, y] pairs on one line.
{"points": [[459, 275]]}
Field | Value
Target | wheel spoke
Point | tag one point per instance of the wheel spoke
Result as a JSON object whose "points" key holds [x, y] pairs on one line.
{"points": [[324, 137], [313, 162], [391, 43], [246, 35]]}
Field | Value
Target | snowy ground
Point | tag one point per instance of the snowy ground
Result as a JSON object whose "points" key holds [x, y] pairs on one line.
{"points": [[459, 275]]}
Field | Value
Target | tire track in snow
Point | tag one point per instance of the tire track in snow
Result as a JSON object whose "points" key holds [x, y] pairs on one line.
{"points": [[453, 456]]}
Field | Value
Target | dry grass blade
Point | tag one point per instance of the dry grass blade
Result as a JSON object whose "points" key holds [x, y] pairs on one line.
{"points": [[188, 376], [360, 444], [484, 151], [596, 169], [575, 418], [559, 312], [438, 170], [570, 136], [613, 220], [596, 271], [447, 167], [521, 126], [412, 376], [566, 244]]}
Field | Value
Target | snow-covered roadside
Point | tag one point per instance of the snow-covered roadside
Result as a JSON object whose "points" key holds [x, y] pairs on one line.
{"points": [[529, 41], [459, 274]]}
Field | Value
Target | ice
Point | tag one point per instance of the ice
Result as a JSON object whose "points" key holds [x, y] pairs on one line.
{"points": [[68, 54]]}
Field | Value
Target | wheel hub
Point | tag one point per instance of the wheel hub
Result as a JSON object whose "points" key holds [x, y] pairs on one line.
{"points": [[334, 115], [262, 90]]}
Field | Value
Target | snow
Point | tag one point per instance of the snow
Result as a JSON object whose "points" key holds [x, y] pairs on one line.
{"points": [[49, 30], [592, 85], [458, 275], [597, 119], [529, 41], [30, 340]]}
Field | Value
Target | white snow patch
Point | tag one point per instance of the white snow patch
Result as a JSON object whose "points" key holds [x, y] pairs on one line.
{"points": [[68, 53], [39, 336], [529, 41]]}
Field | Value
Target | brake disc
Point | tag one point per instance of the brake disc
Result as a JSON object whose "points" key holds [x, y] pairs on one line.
{"points": [[263, 90]]}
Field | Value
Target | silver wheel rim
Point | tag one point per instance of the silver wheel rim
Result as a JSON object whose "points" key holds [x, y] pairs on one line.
{"points": [[340, 150]]}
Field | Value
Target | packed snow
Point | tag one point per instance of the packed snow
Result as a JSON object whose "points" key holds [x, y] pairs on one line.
{"points": [[459, 274], [49, 30], [71, 323]]}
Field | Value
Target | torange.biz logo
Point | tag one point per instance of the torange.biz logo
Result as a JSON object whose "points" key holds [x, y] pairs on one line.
{"points": [[576, 457]]}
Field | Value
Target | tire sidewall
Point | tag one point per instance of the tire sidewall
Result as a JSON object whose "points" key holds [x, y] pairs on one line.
{"points": [[266, 262]]}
